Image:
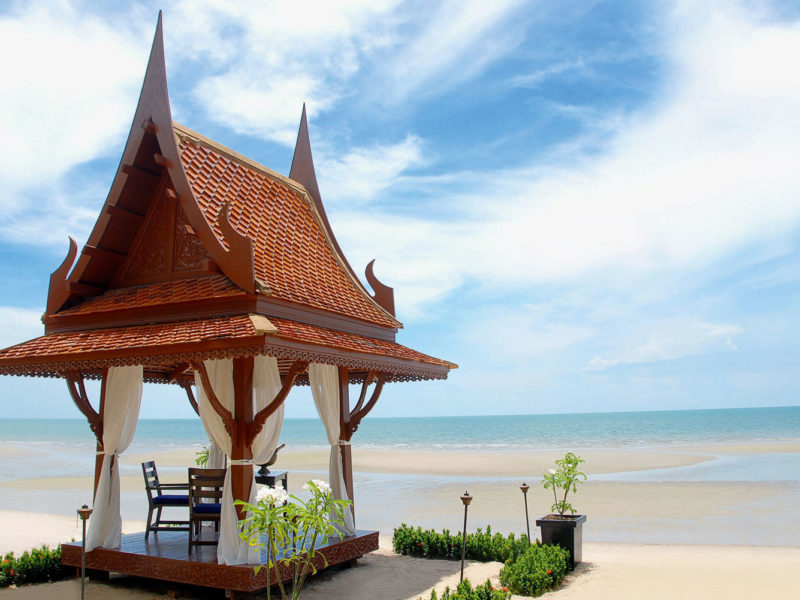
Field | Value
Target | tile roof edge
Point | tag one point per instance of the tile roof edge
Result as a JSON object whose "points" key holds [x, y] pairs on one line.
{"points": [[198, 138]]}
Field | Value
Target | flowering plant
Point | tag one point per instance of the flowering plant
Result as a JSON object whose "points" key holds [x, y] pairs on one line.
{"points": [[288, 530], [566, 477]]}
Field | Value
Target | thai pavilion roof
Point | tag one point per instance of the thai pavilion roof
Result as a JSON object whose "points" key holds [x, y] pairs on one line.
{"points": [[200, 252]]}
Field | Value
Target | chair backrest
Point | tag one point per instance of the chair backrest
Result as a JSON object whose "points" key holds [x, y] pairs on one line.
{"points": [[151, 482], [205, 485]]}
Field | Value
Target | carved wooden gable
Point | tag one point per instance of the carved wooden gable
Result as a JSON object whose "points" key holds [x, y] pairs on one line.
{"points": [[166, 246]]}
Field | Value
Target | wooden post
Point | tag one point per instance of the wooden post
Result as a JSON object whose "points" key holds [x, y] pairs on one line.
{"points": [[344, 434], [242, 475], [98, 459]]}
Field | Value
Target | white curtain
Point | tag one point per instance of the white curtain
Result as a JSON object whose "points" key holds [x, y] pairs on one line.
{"points": [[231, 550], [266, 385], [123, 396], [216, 457], [324, 380]]}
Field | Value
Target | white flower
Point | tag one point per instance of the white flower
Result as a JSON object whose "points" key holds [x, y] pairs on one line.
{"points": [[276, 496], [552, 471], [323, 487]]}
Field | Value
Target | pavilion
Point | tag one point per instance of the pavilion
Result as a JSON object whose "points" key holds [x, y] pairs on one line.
{"points": [[207, 269]]}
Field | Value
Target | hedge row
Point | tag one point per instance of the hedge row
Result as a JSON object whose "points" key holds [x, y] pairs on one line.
{"points": [[465, 591], [37, 566], [481, 546], [530, 569]]}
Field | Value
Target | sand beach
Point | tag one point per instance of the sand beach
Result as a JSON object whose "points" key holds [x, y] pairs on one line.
{"points": [[652, 532]]}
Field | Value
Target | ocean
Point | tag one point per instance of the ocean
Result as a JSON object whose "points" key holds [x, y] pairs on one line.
{"points": [[64, 444], [47, 466], [507, 432]]}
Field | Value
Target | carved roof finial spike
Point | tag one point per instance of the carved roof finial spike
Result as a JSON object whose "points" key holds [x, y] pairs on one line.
{"points": [[302, 169], [384, 295]]}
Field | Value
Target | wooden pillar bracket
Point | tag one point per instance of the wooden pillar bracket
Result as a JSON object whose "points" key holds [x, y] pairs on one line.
{"points": [[78, 392], [224, 413], [367, 380], [257, 424], [188, 388], [359, 413]]}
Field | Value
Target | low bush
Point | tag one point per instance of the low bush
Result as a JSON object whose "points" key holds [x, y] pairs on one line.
{"points": [[37, 566], [465, 591], [481, 546], [539, 569]]}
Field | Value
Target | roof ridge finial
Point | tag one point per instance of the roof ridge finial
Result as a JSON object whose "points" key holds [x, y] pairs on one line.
{"points": [[302, 170]]}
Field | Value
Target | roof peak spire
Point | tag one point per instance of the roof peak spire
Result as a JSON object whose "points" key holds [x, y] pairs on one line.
{"points": [[302, 170]]}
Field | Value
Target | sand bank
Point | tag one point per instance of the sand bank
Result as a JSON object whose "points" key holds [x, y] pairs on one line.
{"points": [[461, 464]]}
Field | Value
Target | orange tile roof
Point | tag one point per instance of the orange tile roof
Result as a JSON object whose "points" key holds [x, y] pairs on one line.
{"points": [[292, 254], [145, 337], [172, 343], [312, 334], [154, 294]]}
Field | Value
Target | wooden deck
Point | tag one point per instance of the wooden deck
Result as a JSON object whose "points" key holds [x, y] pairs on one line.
{"points": [[166, 557]]}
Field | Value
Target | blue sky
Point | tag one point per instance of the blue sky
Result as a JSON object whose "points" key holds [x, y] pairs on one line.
{"points": [[589, 206]]}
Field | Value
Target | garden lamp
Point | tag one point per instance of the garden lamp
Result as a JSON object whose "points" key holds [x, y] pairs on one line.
{"points": [[525, 487], [466, 499], [83, 512]]}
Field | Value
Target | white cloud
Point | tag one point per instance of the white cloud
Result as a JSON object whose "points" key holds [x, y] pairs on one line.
{"points": [[708, 169], [360, 175], [269, 58], [673, 342], [19, 325], [68, 80], [458, 41]]}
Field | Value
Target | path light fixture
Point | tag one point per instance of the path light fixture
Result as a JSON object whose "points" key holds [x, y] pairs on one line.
{"points": [[83, 512], [525, 487], [466, 499]]}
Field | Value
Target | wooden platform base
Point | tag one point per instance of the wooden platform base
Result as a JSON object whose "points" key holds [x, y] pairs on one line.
{"points": [[166, 557]]}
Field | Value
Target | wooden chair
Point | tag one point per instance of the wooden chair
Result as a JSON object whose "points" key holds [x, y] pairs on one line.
{"points": [[205, 502], [158, 500]]}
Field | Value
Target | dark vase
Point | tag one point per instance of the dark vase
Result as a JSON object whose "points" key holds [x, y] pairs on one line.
{"points": [[566, 531]]}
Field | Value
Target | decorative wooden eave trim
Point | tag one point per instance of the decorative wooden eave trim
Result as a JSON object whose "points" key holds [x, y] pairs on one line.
{"points": [[215, 307], [174, 354], [174, 312], [322, 220], [59, 289], [294, 311], [154, 116]]}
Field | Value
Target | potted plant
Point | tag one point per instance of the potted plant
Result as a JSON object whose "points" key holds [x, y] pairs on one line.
{"points": [[559, 528]]}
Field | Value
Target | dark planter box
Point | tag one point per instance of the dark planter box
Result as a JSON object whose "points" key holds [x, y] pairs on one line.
{"points": [[566, 531]]}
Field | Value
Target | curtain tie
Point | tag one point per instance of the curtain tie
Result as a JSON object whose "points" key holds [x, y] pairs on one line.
{"points": [[344, 442], [240, 461]]}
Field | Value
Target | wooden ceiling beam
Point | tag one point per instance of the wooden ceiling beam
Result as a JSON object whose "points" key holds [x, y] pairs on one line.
{"points": [[140, 171], [104, 253], [123, 213]]}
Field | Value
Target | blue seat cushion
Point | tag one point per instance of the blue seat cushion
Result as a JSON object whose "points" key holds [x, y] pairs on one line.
{"points": [[171, 500], [207, 509]]}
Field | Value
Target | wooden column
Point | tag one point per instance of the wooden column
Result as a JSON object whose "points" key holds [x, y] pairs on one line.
{"points": [[345, 434], [242, 475]]}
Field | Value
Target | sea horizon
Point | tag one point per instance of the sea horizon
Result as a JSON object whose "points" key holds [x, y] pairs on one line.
{"points": [[628, 429]]}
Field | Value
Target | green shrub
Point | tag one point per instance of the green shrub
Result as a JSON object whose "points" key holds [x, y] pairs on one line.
{"points": [[37, 566], [481, 546], [465, 591], [539, 569]]}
